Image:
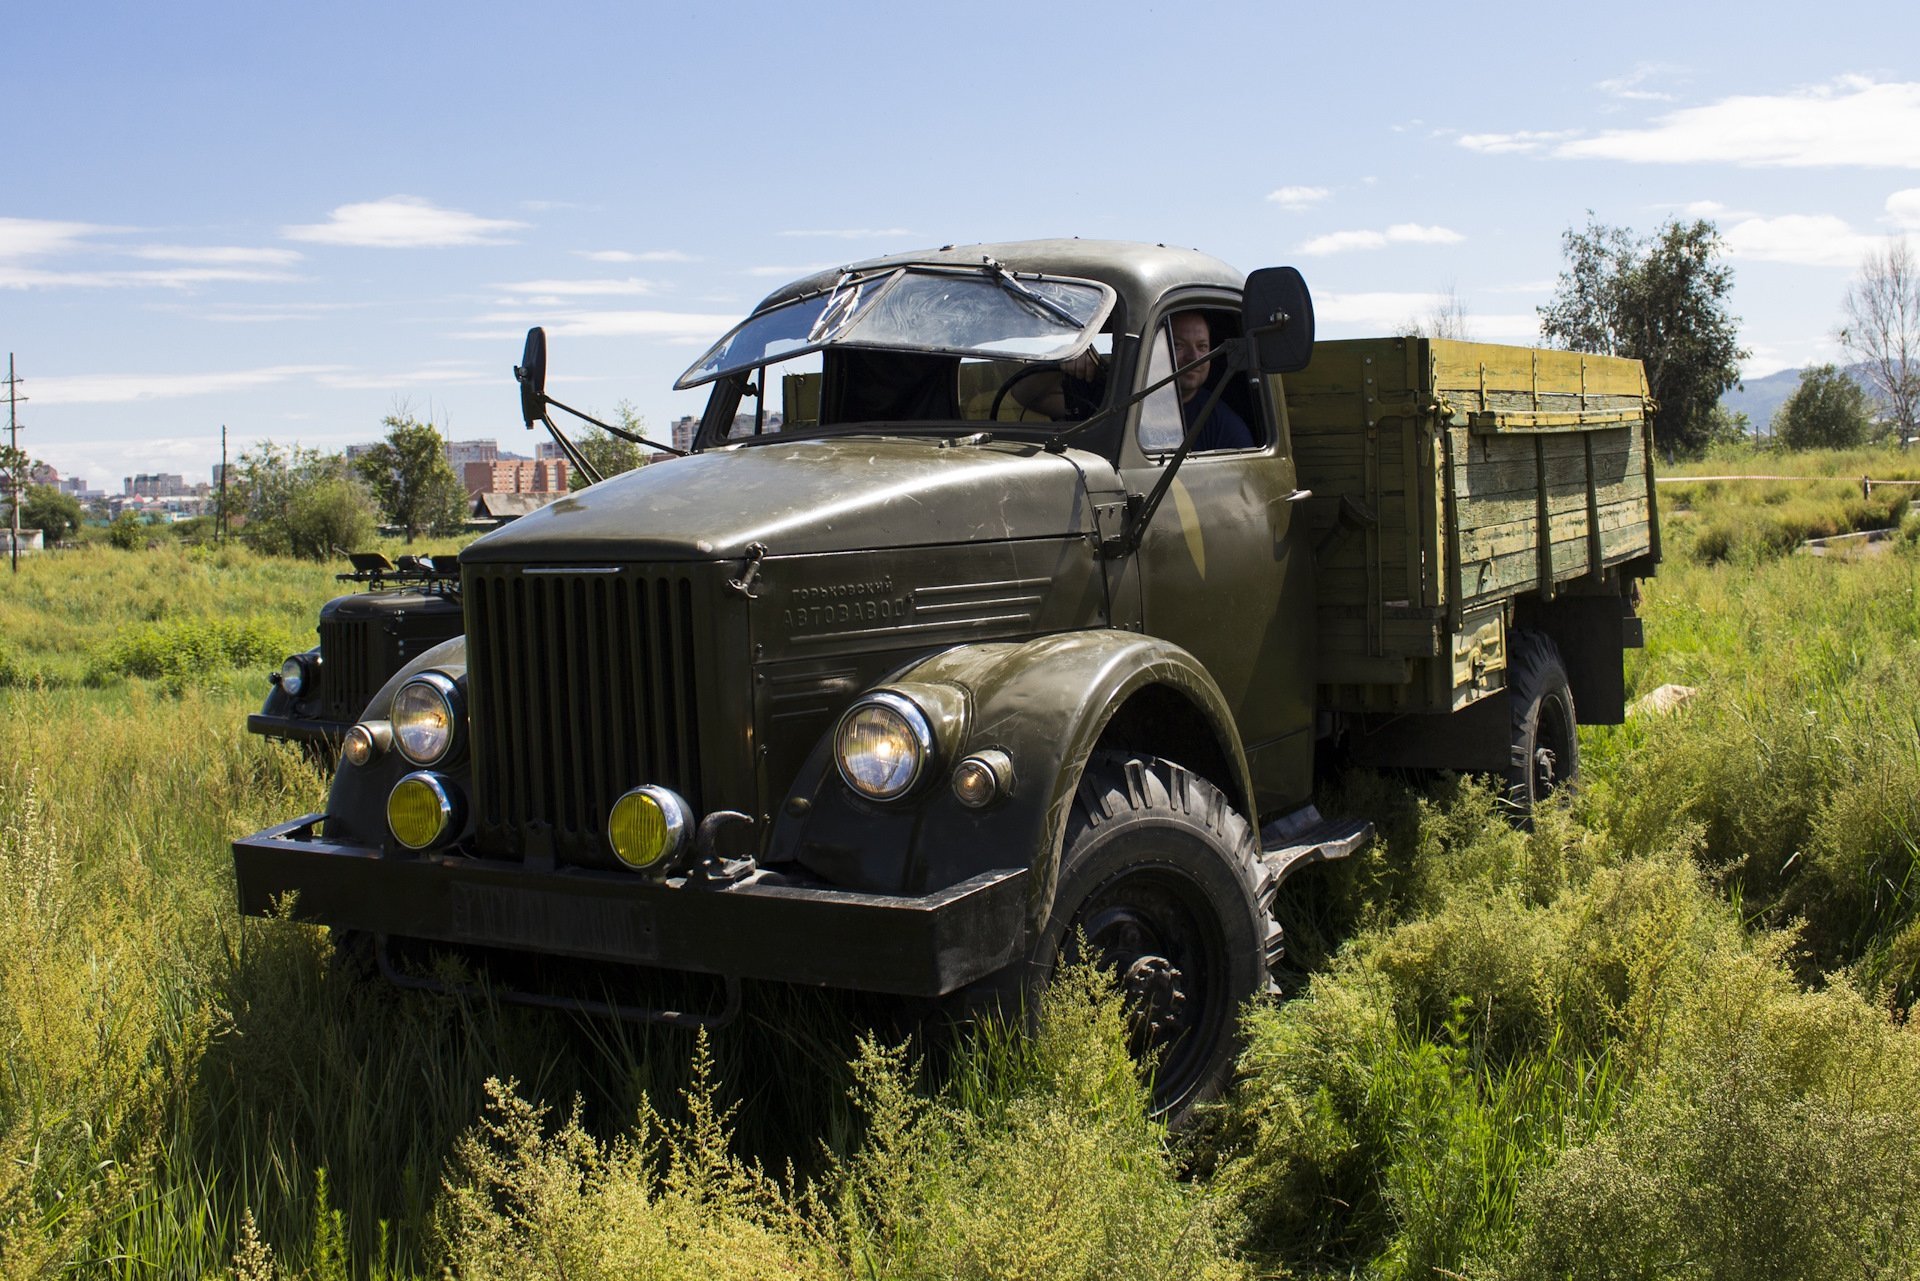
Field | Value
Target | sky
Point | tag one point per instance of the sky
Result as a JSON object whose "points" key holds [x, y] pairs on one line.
{"points": [[294, 221]]}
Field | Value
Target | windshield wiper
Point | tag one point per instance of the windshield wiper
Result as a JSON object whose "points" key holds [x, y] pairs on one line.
{"points": [[1046, 306]]}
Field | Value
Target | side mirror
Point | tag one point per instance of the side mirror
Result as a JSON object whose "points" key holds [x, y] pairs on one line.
{"points": [[532, 374], [1276, 311]]}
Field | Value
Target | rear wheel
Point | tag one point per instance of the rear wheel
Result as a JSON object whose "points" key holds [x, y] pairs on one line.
{"points": [[1546, 744], [1161, 886]]}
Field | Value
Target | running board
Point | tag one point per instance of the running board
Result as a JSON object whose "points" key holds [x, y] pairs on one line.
{"points": [[1303, 838]]}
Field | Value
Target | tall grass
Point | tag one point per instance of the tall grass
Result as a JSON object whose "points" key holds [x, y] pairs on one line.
{"points": [[1663, 1033]]}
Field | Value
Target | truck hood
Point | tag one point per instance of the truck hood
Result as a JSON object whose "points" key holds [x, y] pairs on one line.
{"points": [[845, 493]]}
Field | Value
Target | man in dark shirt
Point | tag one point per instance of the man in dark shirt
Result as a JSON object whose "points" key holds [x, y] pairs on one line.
{"points": [[1082, 386], [1224, 429]]}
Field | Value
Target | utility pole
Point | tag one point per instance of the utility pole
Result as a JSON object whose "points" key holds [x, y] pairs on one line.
{"points": [[13, 439], [223, 483]]}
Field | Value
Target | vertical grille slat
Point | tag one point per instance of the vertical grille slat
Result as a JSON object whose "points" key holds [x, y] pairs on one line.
{"points": [[589, 689]]}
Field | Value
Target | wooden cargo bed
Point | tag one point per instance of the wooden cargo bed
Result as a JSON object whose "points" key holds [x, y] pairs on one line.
{"points": [[1449, 480]]}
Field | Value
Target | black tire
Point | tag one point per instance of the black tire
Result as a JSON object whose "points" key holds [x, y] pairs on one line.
{"points": [[1161, 880], [1546, 743]]}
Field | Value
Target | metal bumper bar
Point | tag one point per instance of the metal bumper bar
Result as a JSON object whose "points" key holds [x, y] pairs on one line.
{"points": [[924, 946]]}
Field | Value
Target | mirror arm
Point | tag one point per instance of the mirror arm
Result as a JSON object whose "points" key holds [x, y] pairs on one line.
{"points": [[571, 450], [1137, 528], [621, 432]]}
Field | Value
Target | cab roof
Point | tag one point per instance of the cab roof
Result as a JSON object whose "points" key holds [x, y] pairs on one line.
{"points": [[1140, 274]]}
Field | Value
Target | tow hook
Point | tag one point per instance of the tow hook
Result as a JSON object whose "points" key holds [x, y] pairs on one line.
{"points": [[709, 864]]}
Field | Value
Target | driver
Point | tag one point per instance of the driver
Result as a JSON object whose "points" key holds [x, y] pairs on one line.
{"points": [[1082, 386]]}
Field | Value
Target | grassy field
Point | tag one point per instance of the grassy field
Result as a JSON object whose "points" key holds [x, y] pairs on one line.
{"points": [[1664, 1034]]}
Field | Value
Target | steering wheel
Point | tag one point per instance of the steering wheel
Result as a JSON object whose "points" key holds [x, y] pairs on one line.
{"points": [[1018, 375]]}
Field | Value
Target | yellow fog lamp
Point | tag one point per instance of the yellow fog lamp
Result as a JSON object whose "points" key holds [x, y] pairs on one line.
{"points": [[420, 810], [650, 829], [367, 740]]}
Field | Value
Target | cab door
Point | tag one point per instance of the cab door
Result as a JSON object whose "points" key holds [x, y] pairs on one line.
{"points": [[1223, 570]]}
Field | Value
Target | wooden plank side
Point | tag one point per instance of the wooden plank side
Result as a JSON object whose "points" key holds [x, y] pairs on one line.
{"points": [[1458, 367]]}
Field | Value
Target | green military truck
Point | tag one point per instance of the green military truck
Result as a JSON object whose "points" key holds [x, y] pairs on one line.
{"points": [[316, 696], [974, 633]]}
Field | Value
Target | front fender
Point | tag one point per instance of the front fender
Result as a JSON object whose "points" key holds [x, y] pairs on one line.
{"points": [[1045, 703]]}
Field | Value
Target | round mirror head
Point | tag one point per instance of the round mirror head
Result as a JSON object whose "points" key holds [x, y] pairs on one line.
{"points": [[532, 373]]}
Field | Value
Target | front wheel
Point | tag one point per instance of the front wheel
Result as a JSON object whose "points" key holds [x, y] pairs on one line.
{"points": [[1161, 886]]}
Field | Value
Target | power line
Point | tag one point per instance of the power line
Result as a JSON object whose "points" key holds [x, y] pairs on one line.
{"points": [[16, 473]]}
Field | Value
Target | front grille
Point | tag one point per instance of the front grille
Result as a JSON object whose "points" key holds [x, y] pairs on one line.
{"points": [[346, 675], [582, 686]]}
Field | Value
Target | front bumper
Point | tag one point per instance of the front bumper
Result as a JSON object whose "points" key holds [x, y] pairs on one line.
{"points": [[297, 729], [925, 946]]}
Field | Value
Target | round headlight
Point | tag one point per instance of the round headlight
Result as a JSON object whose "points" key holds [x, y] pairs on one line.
{"points": [[649, 828], [298, 673], [883, 745], [426, 718], [419, 811]]}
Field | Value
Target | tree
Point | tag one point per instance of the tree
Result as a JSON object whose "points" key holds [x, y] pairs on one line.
{"points": [[610, 454], [1882, 330], [1661, 300], [1446, 318], [56, 514], [1828, 410], [299, 502], [412, 480]]}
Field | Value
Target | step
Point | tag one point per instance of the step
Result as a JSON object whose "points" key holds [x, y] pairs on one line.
{"points": [[1303, 838]]}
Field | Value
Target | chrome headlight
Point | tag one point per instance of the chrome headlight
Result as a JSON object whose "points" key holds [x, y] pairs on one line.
{"points": [[428, 716], [300, 674], [883, 745]]}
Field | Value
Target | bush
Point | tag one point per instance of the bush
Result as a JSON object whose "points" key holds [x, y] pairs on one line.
{"points": [[127, 532], [190, 650]]}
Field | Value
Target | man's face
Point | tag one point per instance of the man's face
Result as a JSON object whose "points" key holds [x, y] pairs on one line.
{"points": [[1190, 342]]}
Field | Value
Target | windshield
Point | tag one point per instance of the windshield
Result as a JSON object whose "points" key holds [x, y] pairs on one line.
{"points": [[981, 312]]}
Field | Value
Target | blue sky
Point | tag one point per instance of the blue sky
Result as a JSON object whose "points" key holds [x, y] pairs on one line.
{"points": [[295, 221]]}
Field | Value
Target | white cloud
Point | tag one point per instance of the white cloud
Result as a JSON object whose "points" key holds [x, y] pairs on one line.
{"points": [[854, 233], [439, 373], [1632, 85], [1511, 326], [623, 255], [36, 237], [581, 288], [1812, 240], [1403, 233], [1382, 310], [1523, 142], [1903, 209], [1298, 197], [119, 389], [1853, 121], [163, 278], [217, 255], [603, 324], [789, 273], [403, 222]]}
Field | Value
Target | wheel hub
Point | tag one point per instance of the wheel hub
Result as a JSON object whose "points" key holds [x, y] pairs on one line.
{"points": [[1156, 996]]}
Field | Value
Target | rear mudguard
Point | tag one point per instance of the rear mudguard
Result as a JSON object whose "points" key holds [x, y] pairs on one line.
{"points": [[1046, 704]]}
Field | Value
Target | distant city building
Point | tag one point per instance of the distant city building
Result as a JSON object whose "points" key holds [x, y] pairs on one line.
{"points": [[357, 452], [683, 432], [462, 452], [43, 474], [156, 485], [549, 449], [521, 476]]}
